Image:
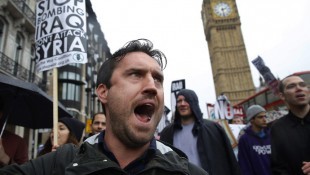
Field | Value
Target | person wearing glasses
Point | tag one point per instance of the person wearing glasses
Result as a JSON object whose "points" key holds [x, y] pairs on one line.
{"points": [[254, 154]]}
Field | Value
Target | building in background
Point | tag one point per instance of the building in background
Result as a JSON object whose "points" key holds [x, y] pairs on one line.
{"points": [[17, 32], [76, 82], [230, 66]]}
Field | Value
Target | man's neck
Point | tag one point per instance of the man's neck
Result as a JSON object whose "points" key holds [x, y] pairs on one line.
{"points": [[187, 120], [300, 111], [256, 129], [124, 155]]}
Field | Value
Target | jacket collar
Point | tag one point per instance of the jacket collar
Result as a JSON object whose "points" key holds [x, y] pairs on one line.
{"points": [[296, 120], [164, 158]]}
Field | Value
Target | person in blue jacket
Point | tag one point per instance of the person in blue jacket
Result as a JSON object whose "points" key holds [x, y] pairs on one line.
{"points": [[254, 153]]}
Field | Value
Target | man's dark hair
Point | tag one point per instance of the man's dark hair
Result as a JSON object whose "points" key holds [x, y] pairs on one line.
{"points": [[139, 45], [93, 118]]}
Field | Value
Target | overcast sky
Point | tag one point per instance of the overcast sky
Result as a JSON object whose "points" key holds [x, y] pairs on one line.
{"points": [[277, 30]]}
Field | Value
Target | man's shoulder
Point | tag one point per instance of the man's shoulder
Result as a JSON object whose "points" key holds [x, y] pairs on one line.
{"points": [[280, 126], [68, 147], [176, 156], [164, 148], [169, 126], [13, 136], [248, 135], [244, 136], [279, 122], [208, 122], [168, 130], [195, 170]]}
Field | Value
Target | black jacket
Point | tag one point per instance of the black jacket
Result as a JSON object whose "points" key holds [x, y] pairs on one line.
{"points": [[290, 144], [87, 159], [214, 148]]}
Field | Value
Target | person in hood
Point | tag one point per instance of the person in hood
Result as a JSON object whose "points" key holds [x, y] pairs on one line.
{"points": [[203, 141], [130, 89], [254, 148]]}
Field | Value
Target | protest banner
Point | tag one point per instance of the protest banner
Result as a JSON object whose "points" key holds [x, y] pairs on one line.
{"points": [[60, 39], [61, 36], [269, 78], [222, 108], [238, 111]]}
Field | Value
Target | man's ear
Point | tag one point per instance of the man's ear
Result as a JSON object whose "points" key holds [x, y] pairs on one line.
{"points": [[102, 93], [281, 96]]}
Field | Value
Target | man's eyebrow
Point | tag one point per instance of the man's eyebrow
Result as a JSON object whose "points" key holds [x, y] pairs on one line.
{"points": [[296, 83], [135, 69], [158, 74]]}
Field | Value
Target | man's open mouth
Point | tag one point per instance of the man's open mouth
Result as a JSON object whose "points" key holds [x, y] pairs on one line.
{"points": [[300, 95], [145, 112]]}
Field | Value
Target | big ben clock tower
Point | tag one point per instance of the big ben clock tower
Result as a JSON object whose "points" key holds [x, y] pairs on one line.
{"points": [[229, 61]]}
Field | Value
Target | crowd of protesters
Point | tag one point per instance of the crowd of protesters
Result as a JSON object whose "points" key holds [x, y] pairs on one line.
{"points": [[130, 89]]}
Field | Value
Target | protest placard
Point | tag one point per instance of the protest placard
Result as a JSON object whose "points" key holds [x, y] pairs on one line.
{"points": [[61, 36], [269, 78]]}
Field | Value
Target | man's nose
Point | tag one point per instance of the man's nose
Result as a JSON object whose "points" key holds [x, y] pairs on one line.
{"points": [[150, 85]]}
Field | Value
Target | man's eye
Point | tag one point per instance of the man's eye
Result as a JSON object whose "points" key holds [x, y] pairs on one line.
{"points": [[158, 79], [290, 86], [180, 101], [135, 74], [302, 84]]}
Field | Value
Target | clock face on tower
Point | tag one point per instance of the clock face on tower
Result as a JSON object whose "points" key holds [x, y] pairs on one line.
{"points": [[222, 9]]}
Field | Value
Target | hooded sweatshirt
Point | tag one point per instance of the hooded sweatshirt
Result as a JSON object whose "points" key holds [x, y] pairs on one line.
{"points": [[214, 148], [254, 153]]}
